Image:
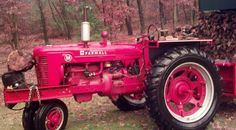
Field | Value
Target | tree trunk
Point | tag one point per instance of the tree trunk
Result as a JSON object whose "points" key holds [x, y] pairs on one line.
{"points": [[65, 18], [175, 19], [128, 21], [185, 14], [161, 13], [56, 20], [112, 16], [141, 17], [60, 17], [193, 13], [43, 21], [103, 12], [14, 32]]}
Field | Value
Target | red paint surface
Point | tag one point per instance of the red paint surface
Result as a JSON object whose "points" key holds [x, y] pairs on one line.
{"points": [[60, 71], [185, 87], [228, 74]]}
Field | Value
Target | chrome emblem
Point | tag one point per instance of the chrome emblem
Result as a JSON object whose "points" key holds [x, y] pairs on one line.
{"points": [[67, 57]]}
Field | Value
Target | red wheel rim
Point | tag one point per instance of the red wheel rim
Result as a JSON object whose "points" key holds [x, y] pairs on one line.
{"points": [[185, 91], [54, 119]]}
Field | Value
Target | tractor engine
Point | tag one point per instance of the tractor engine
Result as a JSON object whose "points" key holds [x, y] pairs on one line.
{"points": [[107, 70], [97, 72]]}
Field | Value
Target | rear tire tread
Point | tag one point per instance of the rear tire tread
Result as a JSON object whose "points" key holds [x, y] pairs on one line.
{"points": [[155, 78]]}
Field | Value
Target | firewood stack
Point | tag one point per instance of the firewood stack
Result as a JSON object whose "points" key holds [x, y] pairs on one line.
{"points": [[221, 27]]}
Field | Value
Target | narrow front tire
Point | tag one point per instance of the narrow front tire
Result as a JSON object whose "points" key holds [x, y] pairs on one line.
{"points": [[52, 115]]}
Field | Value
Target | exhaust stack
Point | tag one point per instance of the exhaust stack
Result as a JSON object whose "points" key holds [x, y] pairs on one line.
{"points": [[85, 26]]}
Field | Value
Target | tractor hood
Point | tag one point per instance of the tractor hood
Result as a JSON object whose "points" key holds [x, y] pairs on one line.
{"points": [[94, 52]]}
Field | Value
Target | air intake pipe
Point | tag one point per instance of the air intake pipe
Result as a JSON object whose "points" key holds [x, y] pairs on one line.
{"points": [[85, 27]]}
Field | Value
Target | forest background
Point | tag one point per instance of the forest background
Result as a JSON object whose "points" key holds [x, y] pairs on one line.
{"points": [[24, 20], [25, 24]]}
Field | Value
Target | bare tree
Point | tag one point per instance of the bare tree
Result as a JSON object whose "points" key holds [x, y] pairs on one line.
{"points": [[60, 16], [104, 11], [141, 16], [193, 12], [175, 18], [43, 21], [128, 21], [10, 17], [14, 31], [65, 18], [55, 19], [161, 14]]}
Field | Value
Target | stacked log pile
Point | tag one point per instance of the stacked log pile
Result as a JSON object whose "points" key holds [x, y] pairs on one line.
{"points": [[221, 27]]}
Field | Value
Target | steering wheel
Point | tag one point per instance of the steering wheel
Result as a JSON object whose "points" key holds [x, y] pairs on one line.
{"points": [[151, 30]]}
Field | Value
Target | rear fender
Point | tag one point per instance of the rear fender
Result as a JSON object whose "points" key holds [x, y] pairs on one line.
{"points": [[155, 53]]}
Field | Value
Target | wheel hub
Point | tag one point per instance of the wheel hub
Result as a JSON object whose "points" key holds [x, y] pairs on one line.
{"points": [[54, 119], [185, 91], [181, 90]]}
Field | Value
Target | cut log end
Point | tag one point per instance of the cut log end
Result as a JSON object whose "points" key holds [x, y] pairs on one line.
{"points": [[20, 61]]}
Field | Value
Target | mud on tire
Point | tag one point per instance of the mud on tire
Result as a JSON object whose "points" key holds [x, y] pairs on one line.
{"points": [[183, 90]]}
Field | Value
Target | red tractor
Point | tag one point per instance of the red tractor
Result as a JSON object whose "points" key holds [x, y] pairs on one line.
{"points": [[179, 84]]}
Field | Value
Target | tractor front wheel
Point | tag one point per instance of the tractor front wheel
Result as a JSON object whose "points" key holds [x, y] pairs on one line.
{"points": [[52, 115], [28, 116], [184, 90]]}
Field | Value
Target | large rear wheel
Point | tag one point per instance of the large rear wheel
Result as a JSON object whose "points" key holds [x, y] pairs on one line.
{"points": [[184, 90]]}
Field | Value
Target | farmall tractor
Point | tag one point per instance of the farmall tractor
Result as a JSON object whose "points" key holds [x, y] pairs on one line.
{"points": [[179, 84]]}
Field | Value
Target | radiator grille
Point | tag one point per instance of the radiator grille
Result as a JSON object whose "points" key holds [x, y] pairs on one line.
{"points": [[42, 70]]}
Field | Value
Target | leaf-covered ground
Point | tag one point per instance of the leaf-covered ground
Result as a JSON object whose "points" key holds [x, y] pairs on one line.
{"points": [[100, 113]]}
